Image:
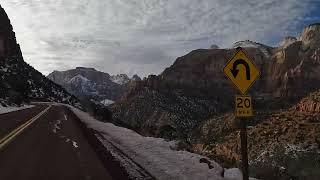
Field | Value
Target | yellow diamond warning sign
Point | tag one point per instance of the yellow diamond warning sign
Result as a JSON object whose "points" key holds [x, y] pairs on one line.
{"points": [[241, 71], [243, 106]]}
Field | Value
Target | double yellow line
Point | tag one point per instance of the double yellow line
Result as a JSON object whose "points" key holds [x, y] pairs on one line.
{"points": [[8, 138]]}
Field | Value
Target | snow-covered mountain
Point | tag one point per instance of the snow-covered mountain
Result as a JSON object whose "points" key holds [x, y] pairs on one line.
{"points": [[120, 79], [92, 84], [251, 44]]}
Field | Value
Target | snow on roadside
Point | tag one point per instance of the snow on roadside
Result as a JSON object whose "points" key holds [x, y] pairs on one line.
{"points": [[8, 109], [156, 155], [56, 126]]}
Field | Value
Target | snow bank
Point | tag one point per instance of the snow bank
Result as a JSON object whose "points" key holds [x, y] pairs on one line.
{"points": [[156, 155], [234, 174], [8, 109]]}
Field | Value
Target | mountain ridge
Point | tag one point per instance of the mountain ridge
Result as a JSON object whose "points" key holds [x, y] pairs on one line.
{"points": [[90, 83]]}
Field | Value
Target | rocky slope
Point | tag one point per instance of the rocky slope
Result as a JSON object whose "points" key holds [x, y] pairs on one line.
{"points": [[92, 84], [20, 82], [281, 144]]}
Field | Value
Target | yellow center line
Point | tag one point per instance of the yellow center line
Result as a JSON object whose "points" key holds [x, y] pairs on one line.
{"points": [[4, 141], [17, 129]]}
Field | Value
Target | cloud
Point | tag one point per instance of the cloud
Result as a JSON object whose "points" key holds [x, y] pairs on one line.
{"points": [[143, 36]]}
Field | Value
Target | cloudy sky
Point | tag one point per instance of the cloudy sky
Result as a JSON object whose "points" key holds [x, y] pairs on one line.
{"points": [[145, 36]]}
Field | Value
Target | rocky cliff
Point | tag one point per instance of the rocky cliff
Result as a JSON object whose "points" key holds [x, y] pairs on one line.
{"points": [[20, 82]]}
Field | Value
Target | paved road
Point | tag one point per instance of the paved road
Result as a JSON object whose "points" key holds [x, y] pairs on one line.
{"points": [[45, 143]]}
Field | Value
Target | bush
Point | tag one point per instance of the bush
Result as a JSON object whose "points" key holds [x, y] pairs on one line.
{"points": [[304, 165], [167, 132], [15, 97], [184, 145]]}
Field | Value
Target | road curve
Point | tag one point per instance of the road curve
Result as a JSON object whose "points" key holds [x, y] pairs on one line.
{"points": [[51, 146]]}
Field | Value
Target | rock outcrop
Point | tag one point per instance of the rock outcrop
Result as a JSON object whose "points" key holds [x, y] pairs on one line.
{"points": [[8, 45], [287, 41], [310, 37]]}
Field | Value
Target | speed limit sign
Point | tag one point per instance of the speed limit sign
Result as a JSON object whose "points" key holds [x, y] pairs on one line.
{"points": [[243, 106]]}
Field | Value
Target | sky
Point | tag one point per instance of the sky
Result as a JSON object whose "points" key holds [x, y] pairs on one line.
{"points": [[145, 36]]}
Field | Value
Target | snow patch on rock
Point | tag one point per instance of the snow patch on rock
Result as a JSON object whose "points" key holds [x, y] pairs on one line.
{"points": [[250, 44], [107, 102], [78, 79], [120, 79]]}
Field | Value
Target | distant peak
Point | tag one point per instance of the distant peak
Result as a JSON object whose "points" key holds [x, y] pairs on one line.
{"points": [[120, 79], [248, 43], [251, 44], [136, 78], [85, 68], [122, 75], [244, 43], [214, 46]]}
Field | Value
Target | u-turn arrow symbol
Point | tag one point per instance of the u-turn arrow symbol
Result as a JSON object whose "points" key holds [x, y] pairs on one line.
{"points": [[235, 71]]}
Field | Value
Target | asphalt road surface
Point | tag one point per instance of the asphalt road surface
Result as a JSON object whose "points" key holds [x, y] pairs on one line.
{"points": [[45, 143]]}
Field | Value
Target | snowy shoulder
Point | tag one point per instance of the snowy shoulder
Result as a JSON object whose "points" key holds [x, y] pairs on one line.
{"points": [[159, 157], [8, 109]]}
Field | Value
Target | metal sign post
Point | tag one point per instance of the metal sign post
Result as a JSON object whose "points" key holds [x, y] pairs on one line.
{"points": [[244, 149], [242, 73], [243, 111]]}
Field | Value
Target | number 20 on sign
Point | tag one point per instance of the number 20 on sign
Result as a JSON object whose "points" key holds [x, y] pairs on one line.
{"points": [[243, 106]]}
